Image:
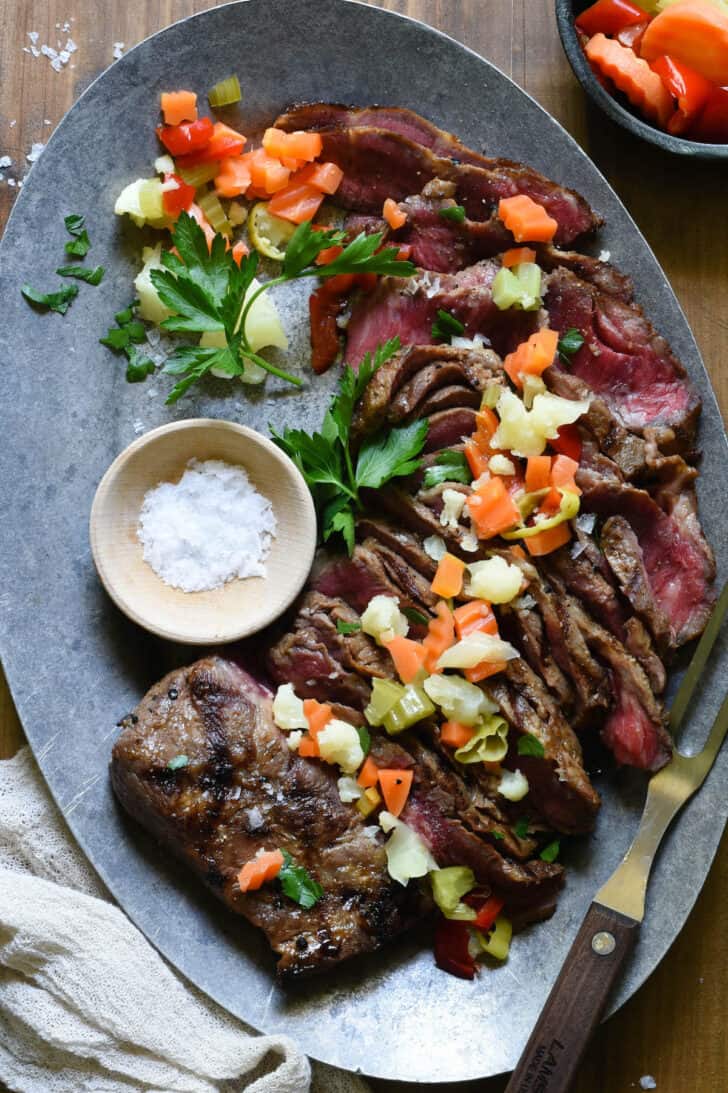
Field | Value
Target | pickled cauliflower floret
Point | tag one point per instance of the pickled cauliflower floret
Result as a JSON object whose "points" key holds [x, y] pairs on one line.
{"points": [[150, 306], [349, 789], [513, 785], [288, 709], [453, 502], [474, 649], [525, 432], [458, 699], [407, 855], [339, 743], [501, 464], [434, 547], [294, 739], [494, 580], [383, 619]]}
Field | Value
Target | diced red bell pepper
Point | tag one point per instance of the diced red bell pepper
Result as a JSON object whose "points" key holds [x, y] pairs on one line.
{"points": [[188, 137], [632, 36], [179, 200], [568, 442], [609, 17], [324, 306], [452, 953], [224, 142], [688, 87], [488, 913], [712, 124]]}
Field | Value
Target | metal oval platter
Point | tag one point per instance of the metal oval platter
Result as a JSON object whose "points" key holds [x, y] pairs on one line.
{"points": [[76, 665]]}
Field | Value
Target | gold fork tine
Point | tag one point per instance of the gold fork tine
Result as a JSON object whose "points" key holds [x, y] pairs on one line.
{"points": [[695, 668]]}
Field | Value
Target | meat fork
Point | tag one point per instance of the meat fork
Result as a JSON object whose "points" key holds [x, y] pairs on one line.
{"points": [[609, 931]]}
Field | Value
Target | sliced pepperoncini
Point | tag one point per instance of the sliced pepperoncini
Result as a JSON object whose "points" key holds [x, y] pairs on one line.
{"points": [[568, 509]]}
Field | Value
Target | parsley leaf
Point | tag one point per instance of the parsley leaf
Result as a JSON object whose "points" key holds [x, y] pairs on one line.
{"points": [[569, 343], [453, 212], [448, 467], [178, 762], [74, 223], [125, 338], [347, 627], [365, 738], [529, 745], [521, 827], [551, 852], [497, 835], [59, 301], [80, 246], [390, 455], [445, 325], [139, 366], [90, 276], [415, 616], [298, 884]]}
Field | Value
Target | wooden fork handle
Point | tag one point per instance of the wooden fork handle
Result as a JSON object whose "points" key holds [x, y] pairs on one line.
{"points": [[557, 1044]]}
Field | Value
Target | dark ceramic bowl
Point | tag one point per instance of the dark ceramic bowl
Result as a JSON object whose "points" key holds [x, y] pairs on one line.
{"points": [[619, 109]]}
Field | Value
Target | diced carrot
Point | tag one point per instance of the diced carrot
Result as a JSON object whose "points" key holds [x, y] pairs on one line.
{"points": [[492, 508], [266, 173], [448, 580], [551, 502], [476, 615], [563, 470], [323, 176], [440, 636], [318, 714], [408, 656], [477, 460], [395, 786], [197, 214], [526, 220], [292, 163], [179, 106], [519, 552], [233, 178], [308, 748], [392, 213], [455, 734], [328, 254], [694, 32], [369, 773], [516, 255], [296, 202], [532, 357], [298, 145], [546, 541], [632, 75], [483, 670], [486, 426], [258, 870], [240, 251], [538, 472]]}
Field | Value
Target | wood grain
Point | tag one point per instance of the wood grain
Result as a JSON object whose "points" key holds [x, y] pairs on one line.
{"points": [[673, 1028]]}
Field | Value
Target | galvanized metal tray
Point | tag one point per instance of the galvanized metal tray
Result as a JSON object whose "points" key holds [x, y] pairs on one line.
{"points": [[76, 666]]}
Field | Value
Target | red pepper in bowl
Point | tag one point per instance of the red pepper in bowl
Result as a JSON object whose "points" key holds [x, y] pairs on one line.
{"points": [[609, 17], [688, 87]]}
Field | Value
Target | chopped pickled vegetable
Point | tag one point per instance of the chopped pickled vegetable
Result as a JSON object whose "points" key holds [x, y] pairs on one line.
{"points": [[210, 204], [494, 580], [518, 287], [197, 176], [568, 509], [225, 93], [339, 743], [498, 942], [385, 693], [459, 700], [413, 706], [475, 648], [409, 658], [383, 619], [288, 709], [370, 799], [449, 885], [395, 786], [269, 234], [407, 855], [525, 432], [513, 785], [489, 743]]}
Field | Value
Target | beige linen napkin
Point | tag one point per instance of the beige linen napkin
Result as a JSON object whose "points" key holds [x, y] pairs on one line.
{"points": [[86, 1004]]}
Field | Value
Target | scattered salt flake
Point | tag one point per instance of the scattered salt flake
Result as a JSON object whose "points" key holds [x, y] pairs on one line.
{"points": [[647, 1082], [35, 152], [118, 50], [207, 529], [138, 427], [33, 35], [605, 255], [6, 161], [11, 182], [46, 121], [13, 123]]}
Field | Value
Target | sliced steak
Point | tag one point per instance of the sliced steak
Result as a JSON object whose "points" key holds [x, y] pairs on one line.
{"points": [[622, 551], [623, 360], [243, 790], [408, 546], [379, 162]]}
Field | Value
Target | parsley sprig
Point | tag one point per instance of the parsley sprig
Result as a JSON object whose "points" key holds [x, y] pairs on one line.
{"points": [[208, 291], [335, 475], [298, 884]]}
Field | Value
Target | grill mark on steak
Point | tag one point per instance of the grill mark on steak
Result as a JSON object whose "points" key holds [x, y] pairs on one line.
{"points": [[294, 804]]}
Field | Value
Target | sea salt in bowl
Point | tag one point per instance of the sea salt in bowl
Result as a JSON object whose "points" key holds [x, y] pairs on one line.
{"points": [[238, 608]]}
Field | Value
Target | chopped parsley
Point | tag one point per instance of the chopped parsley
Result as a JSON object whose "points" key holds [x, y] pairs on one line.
{"points": [[445, 325], [90, 276], [125, 337], [448, 467], [74, 223], [551, 852], [521, 827], [415, 616], [529, 745], [59, 301], [80, 246], [498, 835], [364, 738], [569, 343], [298, 884], [347, 627], [453, 212]]}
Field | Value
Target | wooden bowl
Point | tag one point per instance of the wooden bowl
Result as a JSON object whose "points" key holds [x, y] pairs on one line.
{"points": [[240, 607]]}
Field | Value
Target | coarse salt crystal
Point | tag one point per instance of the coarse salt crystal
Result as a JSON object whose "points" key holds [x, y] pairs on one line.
{"points": [[33, 35], [648, 1082], [118, 50], [605, 255], [35, 152], [6, 161], [11, 182], [209, 528]]}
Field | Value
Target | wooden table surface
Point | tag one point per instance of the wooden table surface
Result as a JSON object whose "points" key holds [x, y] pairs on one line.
{"points": [[674, 1028]]}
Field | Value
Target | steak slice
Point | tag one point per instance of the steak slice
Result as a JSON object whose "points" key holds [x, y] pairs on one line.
{"points": [[242, 790], [379, 160]]}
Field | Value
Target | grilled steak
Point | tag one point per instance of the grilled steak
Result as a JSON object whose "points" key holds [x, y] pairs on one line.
{"points": [[243, 789]]}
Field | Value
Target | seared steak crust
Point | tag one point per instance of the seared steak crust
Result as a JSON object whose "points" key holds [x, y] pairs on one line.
{"points": [[242, 790]]}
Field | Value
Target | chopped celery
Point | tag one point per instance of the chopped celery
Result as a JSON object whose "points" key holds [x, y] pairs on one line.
{"points": [[209, 202], [368, 801], [491, 396], [408, 710], [385, 692], [489, 744], [497, 942], [225, 93], [197, 176], [518, 287], [567, 511], [448, 885]]}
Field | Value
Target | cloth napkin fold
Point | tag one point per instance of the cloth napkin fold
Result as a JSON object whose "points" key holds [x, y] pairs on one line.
{"points": [[86, 1004]]}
